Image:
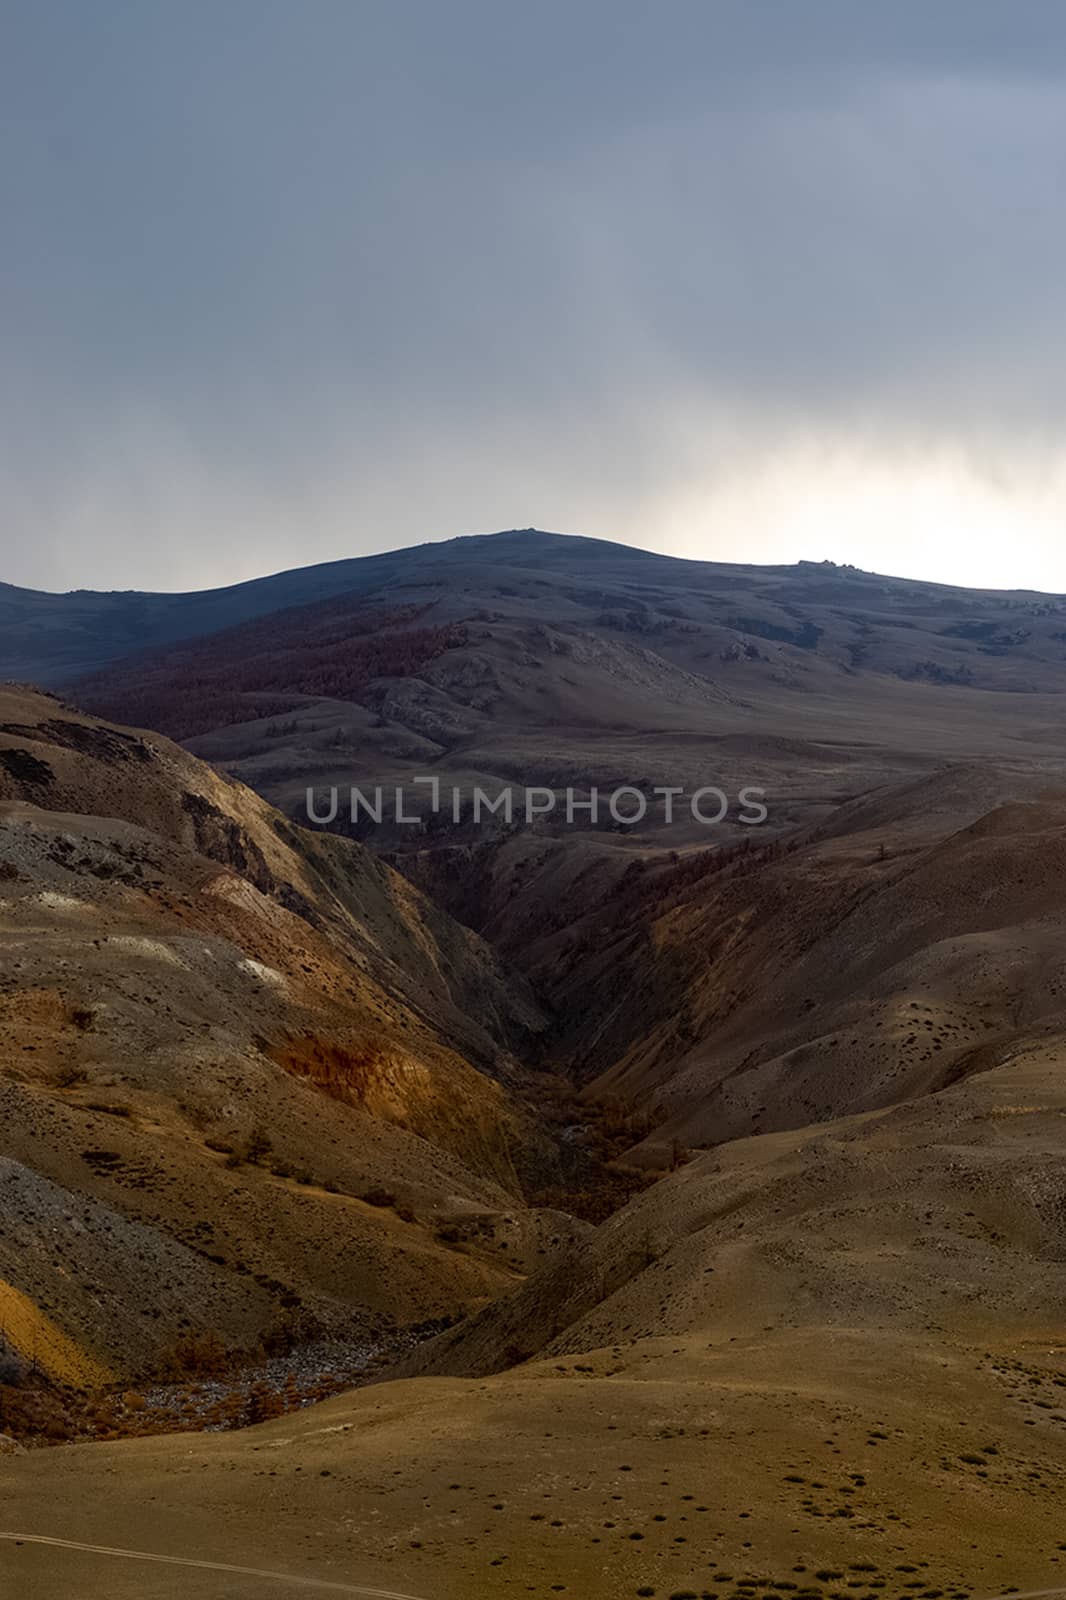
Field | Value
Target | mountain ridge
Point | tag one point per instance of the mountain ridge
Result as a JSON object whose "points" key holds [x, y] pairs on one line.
{"points": [[111, 625]]}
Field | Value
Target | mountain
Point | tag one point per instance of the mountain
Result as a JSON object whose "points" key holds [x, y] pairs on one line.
{"points": [[540, 660], [757, 615], [50, 638], [836, 613]]}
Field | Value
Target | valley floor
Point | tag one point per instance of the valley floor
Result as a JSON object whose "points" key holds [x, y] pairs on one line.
{"points": [[822, 1462]]}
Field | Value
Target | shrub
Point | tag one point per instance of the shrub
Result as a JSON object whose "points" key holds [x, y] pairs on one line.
{"points": [[196, 1355], [258, 1145], [264, 1403]]}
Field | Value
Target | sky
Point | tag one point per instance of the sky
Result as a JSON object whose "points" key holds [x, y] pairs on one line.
{"points": [[757, 280]]}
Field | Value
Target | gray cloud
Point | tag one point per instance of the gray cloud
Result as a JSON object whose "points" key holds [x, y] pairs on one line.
{"points": [[754, 280]]}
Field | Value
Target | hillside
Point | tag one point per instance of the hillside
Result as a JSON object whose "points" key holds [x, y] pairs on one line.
{"points": [[220, 1035], [913, 941]]}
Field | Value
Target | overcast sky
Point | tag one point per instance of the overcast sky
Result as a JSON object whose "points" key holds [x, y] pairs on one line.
{"points": [[287, 280]]}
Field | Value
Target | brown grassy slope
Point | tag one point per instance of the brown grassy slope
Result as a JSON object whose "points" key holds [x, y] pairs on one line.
{"points": [[61, 761], [831, 1358], [859, 1473], [913, 939], [177, 965], [938, 1217], [856, 982]]}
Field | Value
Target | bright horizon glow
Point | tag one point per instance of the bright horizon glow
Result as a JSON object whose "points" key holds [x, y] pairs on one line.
{"points": [[937, 519], [143, 508]]}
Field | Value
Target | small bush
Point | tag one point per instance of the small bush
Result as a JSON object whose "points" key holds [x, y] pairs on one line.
{"points": [[196, 1355], [258, 1145]]}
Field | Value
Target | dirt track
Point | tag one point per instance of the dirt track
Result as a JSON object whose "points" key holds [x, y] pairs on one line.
{"points": [[287, 1579]]}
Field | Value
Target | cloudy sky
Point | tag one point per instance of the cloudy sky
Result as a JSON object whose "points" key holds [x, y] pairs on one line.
{"points": [[286, 280]]}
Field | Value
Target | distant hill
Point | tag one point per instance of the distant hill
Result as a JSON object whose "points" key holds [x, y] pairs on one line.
{"points": [[1009, 639], [50, 638], [537, 659]]}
